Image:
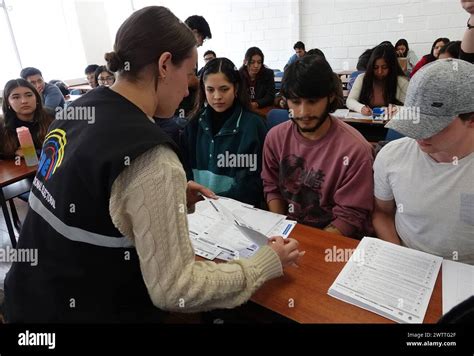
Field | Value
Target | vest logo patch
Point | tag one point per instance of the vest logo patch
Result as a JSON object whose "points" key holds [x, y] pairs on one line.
{"points": [[52, 154]]}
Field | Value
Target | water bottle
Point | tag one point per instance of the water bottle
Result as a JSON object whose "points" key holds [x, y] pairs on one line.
{"points": [[27, 146]]}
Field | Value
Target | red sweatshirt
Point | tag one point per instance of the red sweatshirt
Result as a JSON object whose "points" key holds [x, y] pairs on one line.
{"points": [[326, 181]]}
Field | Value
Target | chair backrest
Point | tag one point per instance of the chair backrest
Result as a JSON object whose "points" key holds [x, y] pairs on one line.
{"points": [[276, 117], [393, 135]]}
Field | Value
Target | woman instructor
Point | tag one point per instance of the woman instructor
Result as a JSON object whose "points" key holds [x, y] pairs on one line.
{"points": [[107, 213]]}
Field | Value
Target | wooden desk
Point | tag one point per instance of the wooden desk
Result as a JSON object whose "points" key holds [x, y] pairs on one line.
{"points": [[342, 73], [13, 182], [306, 286], [85, 87]]}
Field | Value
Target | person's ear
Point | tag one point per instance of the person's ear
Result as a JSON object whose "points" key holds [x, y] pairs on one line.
{"points": [[164, 63], [470, 122]]}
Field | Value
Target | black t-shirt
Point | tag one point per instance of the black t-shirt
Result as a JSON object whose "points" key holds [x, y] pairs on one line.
{"points": [[468, 57]]}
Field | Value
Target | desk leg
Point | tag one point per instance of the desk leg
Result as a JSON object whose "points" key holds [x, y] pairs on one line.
{"points": [[16, 219], [6, 216]]}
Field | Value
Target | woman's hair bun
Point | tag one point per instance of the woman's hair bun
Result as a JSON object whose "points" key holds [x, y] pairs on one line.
{"points": [[114, 62]]}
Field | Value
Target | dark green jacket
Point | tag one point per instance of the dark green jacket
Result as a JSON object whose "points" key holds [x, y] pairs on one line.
{"points": [[230, 162]]}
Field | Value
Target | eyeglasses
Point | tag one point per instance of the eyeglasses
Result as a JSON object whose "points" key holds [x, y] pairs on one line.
{"points": [[109, 79]]}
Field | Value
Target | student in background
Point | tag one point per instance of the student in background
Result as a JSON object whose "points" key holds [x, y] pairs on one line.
{"points": [[202, 32], [51, 96], [124, 254], [259, 79], [317, 169], [423, 183], [200, 28], [361, 67], [63, 87], [404, 51], [300, 51], [451, 50], [432, 56], [90, 75], [208, 56], [223, 127], [383, 84], [339, 100], [467, 45], [21, 107], [104, 77]]}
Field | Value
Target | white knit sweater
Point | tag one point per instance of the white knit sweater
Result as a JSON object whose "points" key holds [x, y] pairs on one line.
{"points": [[352, 102], [148, 205]]}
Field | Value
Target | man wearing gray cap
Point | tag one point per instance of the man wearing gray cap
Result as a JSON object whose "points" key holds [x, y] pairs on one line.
{"points": [[424, 191]]}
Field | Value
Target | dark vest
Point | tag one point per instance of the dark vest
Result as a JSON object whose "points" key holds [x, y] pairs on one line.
{"points": [[87, 271]]}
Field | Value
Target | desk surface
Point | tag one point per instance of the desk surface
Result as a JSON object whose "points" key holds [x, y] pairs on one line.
{"points": [[363, 121], [344, 72], [11, 173], [81, 87], [308, 284]]}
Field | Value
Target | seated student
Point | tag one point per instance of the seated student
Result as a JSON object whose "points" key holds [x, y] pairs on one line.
{"points": [[51, 96], [90, 75], [382, 85], [403, 51], [259, 79], [424, 196], [361, 67], [63, 87], [432, 56], [467, 45], [222, 144], [104, 77], [300, 51], [317, 169], [339, 101], [451, 50], [21, 107], [202, 32], [208, 55]]}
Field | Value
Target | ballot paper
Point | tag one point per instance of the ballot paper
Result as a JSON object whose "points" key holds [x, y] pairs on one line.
{"points": [[346, 114], [458, 283], [390, 280], [228, 229]]}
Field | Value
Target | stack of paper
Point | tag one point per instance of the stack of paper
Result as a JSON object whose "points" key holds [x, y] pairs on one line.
{"points": [[228, 229], [458, 283], [393, 281], [346, 114]]}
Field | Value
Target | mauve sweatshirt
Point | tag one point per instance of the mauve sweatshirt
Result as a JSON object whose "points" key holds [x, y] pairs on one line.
{"points": [[325, 181]]}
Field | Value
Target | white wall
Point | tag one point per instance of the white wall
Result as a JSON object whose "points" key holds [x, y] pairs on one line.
{"points": [[236, 25], [343, 29], [62, 36]]}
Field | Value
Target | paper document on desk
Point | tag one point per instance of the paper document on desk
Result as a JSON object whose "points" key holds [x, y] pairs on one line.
{"points": [[233, 229], [458, 283], [346, 114], [390, 280]]}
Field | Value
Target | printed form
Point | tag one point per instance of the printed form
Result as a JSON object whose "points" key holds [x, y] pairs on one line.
{"points": [[390, 280]]}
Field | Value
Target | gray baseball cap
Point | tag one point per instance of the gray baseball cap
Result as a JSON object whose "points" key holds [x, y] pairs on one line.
{"points": [[437, 93]]}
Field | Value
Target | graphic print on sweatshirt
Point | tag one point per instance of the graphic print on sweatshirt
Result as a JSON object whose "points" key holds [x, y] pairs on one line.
{"points": [[301, 188]]}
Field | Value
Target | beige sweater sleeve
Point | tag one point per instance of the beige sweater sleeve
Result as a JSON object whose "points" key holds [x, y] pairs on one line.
{"points": [[148, 205]]}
